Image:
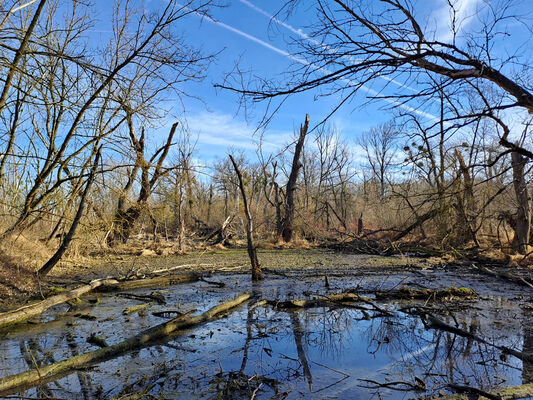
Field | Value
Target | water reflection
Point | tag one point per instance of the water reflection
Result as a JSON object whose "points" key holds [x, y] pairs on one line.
{"points": [[527, 347], [263, 352]]}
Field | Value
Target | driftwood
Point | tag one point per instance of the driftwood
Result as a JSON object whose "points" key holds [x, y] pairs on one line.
{"points": [[10, 384], [24, 313], [102, 285], [159, 271]]}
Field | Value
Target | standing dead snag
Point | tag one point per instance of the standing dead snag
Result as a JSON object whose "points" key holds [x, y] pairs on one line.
{"points": [[291, 183], [252, 252], [124, 219], [523, 213]]}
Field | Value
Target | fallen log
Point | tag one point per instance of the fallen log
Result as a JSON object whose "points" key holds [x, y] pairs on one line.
{"points": [[158, 281], [14, 383], [406, 293], [318, 302], [505, 275], [24, 313], [504, 393], [163, 270]]}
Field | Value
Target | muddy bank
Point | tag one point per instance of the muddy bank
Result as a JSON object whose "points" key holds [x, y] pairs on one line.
{"points": [[333, 351]]}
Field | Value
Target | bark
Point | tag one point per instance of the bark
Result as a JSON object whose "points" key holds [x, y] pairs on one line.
{"points": [[252, 252], [24, 313], [279, 221], [291, 183], [11, 383], [209, 204], [523, 214]]}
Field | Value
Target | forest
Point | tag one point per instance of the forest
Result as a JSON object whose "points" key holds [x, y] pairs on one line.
{"points": [[392, 264]]}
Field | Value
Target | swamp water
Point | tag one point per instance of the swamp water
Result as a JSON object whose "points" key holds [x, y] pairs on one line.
{"points": [[262, 352]]}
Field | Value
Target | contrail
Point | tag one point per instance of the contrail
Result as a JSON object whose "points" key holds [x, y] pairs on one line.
{"points": [[305, 36], [315, 67]]}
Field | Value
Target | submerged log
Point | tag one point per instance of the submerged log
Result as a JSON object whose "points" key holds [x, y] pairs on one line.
{"points": [[10, 384], [24, 313]]}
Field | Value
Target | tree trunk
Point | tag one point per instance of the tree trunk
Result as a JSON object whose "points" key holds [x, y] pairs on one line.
{"points": [[466, 204], [523, 214], [252, 252], [209, 205], [125, 220], [291, 183], [46, 268]]}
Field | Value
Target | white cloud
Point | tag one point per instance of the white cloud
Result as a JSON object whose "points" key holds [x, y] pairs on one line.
{"points": [[465, 12], [223, 130]]}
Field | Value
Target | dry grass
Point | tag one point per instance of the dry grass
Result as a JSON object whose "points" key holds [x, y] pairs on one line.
{"points": [[20, 257]]}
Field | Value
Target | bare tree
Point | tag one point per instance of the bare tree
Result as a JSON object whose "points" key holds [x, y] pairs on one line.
{"points": [[288, 217], [72, 91], [252, 252], [380, 148], [65, 243], [125, 219], [390, 44]]}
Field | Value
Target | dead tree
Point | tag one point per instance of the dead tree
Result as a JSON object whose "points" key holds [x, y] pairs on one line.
{"points": [[288, 218], [252, 252], [523, 213], [124, 219]]}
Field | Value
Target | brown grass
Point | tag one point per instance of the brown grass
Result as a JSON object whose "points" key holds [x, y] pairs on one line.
{"points": [[20, 257]]}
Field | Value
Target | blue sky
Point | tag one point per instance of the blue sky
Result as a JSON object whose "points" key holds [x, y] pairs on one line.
{"points": [[244, 32]]}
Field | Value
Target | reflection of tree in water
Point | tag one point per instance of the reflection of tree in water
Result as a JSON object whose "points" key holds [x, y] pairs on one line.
{"points": [[434, 356], [527, 346], [333, 329], [321, 329]]}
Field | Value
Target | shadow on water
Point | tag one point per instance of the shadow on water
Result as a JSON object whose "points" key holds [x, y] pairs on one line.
{"points": [[262, 352]]}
